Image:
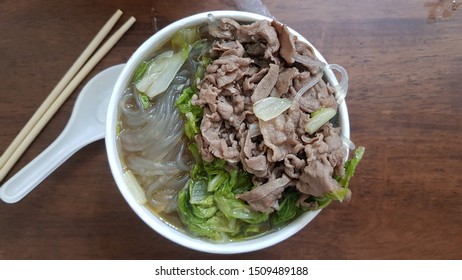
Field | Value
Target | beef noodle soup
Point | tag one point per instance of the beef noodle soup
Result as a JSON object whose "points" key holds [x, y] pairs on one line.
{"points": [[227, 131]]}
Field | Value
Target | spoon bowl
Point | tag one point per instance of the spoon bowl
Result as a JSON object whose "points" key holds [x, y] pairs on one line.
{"points": [[86, 125]]}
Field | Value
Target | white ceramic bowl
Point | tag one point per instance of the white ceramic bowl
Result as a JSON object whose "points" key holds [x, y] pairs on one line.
{"points": [[143, 52]]}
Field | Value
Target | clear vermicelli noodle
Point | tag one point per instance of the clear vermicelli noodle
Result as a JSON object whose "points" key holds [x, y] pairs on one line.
{"points": [[229, 130], [150, 139]]}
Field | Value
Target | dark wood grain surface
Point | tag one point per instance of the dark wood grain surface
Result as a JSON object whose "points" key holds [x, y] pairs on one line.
{"points": [[405, 104]]}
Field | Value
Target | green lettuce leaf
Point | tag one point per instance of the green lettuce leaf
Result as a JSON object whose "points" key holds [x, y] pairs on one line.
{"points": [[232, 207], [155, 76], [209, 204], [288, 210], [350, 167], [139, 72], [185, 38]]}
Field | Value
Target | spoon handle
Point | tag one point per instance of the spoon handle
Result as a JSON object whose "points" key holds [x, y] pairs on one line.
{"points": [[23, 182]]}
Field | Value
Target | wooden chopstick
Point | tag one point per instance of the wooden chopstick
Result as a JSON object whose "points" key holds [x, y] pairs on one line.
{"points": [[61, 85], [35, 125]]}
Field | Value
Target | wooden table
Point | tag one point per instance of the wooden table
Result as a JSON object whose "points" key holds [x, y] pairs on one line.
{"points": [[405, 100]]}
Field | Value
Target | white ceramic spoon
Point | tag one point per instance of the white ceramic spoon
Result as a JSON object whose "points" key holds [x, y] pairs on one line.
{"points": [[86, 125]]}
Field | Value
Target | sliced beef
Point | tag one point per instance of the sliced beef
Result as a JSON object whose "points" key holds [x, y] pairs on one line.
{"points": [[280, 135], [316, 179], [320, 95], [266, 85], [264, 198], [260, 31], [285, 81], [253, 159], [227, 69], [212, 138], [322, 155], [226, 48], [286, 40], [254, 77], [293, 166], [203, 148], [304, 54], [224, 28], [209, 96], [337, 152], [250, 63]]}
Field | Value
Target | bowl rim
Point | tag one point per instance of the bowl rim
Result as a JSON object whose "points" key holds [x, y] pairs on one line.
{"points": [[117, 170]]}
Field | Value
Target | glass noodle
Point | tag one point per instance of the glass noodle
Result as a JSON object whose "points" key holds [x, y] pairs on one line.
{"points": [[151, 140]]}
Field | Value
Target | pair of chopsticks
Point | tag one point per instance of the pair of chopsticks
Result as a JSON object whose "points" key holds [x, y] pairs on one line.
{"points": [[74, 76]]}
